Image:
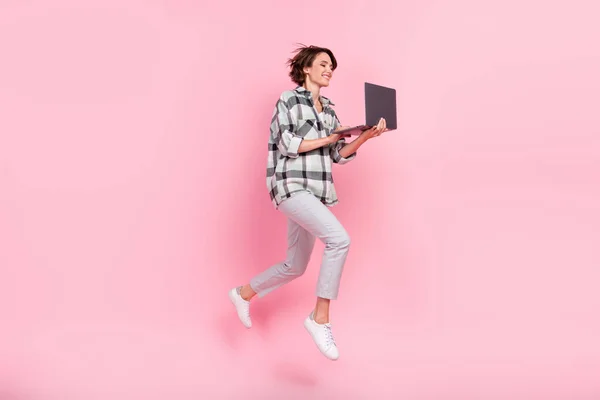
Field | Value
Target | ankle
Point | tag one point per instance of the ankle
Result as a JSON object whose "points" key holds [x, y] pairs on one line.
{"points": [[246, 292], [320, 319]]}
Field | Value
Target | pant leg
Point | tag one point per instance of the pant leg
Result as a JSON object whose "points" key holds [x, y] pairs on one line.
{"points": [[300, 247], [312, 215]]}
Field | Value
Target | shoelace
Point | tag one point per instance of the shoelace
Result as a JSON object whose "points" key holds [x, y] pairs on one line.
{"points": [[329, 340], [246, 311], [245, 308]]}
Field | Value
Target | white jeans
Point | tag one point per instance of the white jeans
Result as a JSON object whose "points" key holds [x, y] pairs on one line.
{"points": [[308, 219]]}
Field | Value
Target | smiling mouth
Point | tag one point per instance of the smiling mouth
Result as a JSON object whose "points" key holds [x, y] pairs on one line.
{"points": [[327, 76]]}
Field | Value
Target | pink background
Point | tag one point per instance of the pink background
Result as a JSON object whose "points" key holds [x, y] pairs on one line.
{"points": [[132, 196]]}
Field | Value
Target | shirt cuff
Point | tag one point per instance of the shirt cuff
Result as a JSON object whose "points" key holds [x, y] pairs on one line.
{"points": [[294, 146], [337, 157]]}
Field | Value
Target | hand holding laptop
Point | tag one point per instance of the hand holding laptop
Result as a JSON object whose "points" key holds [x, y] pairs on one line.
{"points": [[375, 131], [367, 133]]}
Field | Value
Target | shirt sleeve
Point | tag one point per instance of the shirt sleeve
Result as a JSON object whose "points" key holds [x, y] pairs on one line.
{"points": [[283, 130], [334, 149]]}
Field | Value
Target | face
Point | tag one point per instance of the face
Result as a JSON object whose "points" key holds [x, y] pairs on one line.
{"points": [[321, 71]]}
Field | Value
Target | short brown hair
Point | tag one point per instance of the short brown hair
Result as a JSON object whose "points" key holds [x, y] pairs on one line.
{"points": [[305, 55]]}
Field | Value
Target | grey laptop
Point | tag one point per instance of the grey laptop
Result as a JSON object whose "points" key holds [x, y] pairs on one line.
{"points": [[380, 102]]}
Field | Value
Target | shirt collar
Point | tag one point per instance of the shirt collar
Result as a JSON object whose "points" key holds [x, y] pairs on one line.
{"points": [[307, 93]]}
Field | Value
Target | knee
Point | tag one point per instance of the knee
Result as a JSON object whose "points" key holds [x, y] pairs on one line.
{"points": [[341, 241], [295, 269]]}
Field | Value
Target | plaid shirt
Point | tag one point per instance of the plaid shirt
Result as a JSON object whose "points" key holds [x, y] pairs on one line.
{"points": [[295, 118]]}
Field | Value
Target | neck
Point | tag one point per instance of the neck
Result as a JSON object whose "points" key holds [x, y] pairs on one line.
{"points": [[314, 89]]}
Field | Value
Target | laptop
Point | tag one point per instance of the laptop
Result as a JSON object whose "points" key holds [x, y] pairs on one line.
{"points": [[380, 102]]}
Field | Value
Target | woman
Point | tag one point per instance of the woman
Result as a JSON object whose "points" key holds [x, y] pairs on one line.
{"points": [[302, 147]]}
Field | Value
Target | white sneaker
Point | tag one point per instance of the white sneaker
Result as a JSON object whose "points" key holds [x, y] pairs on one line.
{"points": [[242, 306], [323, 337]]}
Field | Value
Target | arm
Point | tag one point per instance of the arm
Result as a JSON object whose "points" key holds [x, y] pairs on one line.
{"points": [[283, 127], [312, 144], [343, 152], [352, 147]]}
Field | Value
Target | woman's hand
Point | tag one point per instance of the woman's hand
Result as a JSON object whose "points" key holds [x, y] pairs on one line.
{"points": [[334, 137], [374, 131]]}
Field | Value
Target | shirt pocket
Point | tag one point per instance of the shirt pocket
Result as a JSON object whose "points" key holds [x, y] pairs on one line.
{"points": [[309, 128], [329, 122]]}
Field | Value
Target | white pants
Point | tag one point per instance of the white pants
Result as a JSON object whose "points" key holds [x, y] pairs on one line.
{"points": [[308, 219]]}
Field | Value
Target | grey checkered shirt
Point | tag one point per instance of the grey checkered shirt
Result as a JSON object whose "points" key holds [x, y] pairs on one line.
{"points": [[295, 118]]}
